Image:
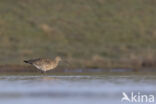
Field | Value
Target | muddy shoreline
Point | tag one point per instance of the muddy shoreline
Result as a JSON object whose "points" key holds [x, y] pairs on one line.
{"points": [[31, 69]]}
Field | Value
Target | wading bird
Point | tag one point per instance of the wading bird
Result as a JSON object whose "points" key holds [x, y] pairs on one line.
{"points": [[44, 64]]}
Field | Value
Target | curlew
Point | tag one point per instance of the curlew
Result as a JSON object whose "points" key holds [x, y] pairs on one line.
{"points": [[44, 64]]}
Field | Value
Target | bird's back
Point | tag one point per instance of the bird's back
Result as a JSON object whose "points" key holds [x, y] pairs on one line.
{"points": [[42, 61]]}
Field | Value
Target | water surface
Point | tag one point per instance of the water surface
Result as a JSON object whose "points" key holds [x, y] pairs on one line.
{"points": [[73, 89]]}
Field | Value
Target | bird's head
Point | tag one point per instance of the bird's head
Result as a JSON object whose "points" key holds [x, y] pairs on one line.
{"points": [[58, 58]]}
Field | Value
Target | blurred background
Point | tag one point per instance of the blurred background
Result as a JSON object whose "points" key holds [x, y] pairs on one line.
{"points": [[86, 33], [105, 46]]}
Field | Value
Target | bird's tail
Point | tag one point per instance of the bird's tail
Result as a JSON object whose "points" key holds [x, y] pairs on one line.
{"points": [[27, 61]]}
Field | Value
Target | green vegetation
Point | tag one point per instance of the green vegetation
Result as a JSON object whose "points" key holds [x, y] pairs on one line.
{"points": [[86, 33]]}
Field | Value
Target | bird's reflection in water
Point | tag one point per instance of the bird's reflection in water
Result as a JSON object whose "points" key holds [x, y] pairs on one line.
{"points": [[33, 78], [47, 78]]}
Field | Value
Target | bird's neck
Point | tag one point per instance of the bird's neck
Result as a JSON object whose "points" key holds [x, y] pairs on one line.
{"points": [[56, 62]]}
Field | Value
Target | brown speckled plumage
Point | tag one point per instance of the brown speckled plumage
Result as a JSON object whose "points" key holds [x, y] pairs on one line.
{"points": [[44, 64]]}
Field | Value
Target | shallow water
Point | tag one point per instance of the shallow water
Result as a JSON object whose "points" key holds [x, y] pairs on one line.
{"points": [[74, 89]]}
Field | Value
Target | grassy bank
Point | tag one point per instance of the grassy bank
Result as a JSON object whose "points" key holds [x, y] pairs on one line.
{"points": [[86, 33]]}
